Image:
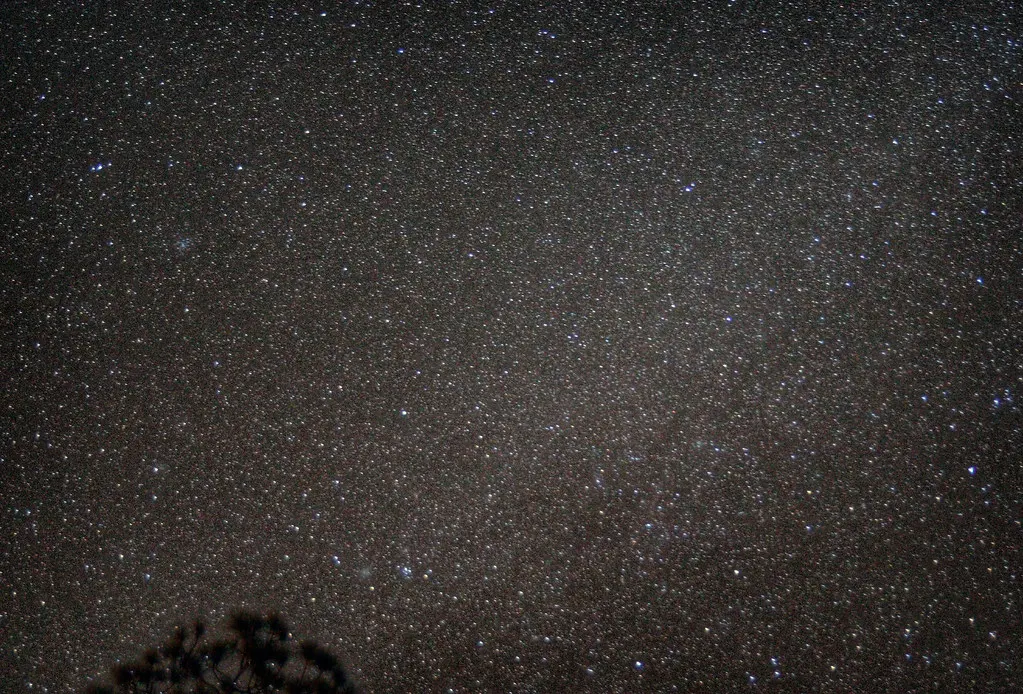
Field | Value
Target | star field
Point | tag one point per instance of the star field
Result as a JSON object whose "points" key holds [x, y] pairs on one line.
{"points": [[580, 348]]}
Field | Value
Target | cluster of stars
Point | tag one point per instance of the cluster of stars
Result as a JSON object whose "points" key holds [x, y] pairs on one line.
{"points": [[568, 349]]}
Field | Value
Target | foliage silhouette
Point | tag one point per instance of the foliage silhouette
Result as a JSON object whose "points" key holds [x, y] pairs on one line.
{"points": [[259, 657]]}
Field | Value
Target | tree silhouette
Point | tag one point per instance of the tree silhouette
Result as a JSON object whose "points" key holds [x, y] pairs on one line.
{"points": [[259, 657]]}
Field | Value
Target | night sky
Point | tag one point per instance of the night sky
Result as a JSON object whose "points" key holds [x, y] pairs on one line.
{"points": [[517, 349]]}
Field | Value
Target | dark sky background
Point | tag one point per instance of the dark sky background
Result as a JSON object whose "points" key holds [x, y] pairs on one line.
{"points": [[516, 349]]}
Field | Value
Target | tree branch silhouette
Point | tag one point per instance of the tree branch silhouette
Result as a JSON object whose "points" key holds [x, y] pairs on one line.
{"points": [[260, 656]]}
